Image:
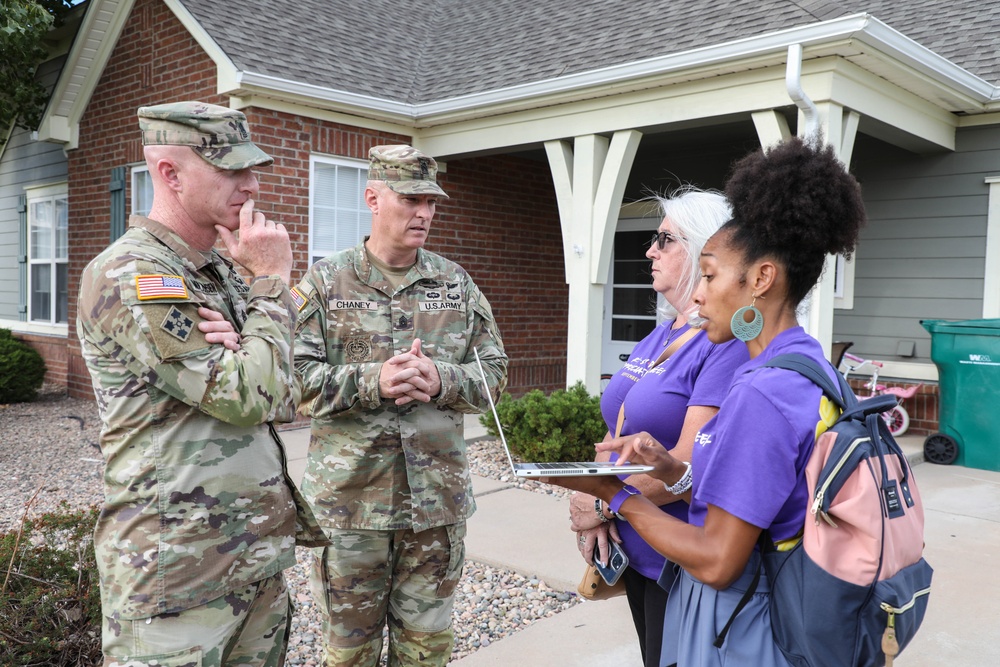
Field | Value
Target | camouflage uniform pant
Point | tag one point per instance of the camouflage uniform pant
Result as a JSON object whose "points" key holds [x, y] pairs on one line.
{"points": [[367, 578], [247, 627]]}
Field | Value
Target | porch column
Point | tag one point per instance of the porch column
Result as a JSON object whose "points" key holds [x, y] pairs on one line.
{"points": [[772, 128], [590, 176], [839, 128]]}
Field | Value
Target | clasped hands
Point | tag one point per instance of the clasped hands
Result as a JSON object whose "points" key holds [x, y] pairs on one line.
{"points": [[410, 376]]}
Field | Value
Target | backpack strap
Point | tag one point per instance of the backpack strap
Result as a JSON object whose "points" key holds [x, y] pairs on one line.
{"points": [[764, 543], [845, 399], [803, 365]]}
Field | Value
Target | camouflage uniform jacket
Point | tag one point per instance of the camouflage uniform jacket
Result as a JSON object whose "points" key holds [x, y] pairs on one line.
{"points": [[373, 465], [197, 498]]}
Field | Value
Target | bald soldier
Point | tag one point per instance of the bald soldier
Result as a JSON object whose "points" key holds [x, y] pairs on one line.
{"points": [[384, 352], [190, 366]]}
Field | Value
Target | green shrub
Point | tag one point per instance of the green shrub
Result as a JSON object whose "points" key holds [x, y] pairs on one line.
{"points": [[22, 369], [49, 597], [546, 429]]}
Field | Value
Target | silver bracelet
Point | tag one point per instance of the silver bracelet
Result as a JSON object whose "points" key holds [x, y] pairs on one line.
{"points": [[600, 511], [683, 484]]}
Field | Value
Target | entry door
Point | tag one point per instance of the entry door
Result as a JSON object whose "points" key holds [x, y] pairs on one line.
{"points": [[630, 304]]}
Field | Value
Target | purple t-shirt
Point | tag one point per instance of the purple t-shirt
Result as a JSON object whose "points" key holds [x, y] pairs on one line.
{"points": [[749, 459], [656, 401]]}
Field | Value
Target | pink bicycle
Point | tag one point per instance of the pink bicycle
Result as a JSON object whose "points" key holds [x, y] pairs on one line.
{"points": [[897, 419]]}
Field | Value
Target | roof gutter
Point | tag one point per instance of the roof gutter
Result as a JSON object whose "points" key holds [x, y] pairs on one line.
{"points": [[862, 28], [793, 84]]}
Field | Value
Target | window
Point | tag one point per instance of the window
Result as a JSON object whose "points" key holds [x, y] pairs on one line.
{"points": [[633, 302], [142, 191], [338, 216], [48, 246]]}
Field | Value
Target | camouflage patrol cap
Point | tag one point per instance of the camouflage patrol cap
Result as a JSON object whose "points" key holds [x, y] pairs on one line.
{"points": [[218, 134], [404, 169]]}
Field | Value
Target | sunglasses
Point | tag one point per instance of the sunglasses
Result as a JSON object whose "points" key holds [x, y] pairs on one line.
{"points": [[662, 238]]}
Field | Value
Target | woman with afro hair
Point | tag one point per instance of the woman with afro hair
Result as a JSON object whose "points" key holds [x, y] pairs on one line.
{"points": [[793, 205]]}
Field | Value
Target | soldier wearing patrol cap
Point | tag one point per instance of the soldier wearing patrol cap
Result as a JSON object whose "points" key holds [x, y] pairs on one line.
{"points": [[383, 352], [190, 365]]}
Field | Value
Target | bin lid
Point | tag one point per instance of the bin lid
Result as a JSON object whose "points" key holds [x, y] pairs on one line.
{"points": [[969, 327]]}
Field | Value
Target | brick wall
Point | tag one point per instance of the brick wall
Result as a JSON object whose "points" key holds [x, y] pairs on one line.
{"points": [[922, 407], [53, 351], [501, 223]]}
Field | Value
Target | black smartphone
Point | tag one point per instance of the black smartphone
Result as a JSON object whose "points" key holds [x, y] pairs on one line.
{"points": [[617, 562]]}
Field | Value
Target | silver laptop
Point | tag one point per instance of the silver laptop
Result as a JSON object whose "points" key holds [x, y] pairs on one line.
{"points": [[574, 469]]}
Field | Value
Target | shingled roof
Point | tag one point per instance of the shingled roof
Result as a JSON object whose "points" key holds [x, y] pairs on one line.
{"points": [[429, 50]]}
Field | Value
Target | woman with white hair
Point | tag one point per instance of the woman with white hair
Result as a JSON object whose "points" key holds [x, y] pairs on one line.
{"points": [[673, 383]]}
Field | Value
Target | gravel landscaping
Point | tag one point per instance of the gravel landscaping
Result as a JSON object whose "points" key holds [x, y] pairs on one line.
{"points": [[50, 446]]}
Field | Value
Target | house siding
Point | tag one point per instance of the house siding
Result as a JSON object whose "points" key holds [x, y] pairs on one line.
{"points": [[27, 163], [511, 245], [922, 254]]}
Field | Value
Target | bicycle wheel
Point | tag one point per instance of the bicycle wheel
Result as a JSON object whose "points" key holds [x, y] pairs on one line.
{"points": [[898, 420]]}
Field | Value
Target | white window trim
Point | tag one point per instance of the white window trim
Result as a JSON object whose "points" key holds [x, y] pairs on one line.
{"points": [[49, 190], [133, 172], [843, 295], [325, 159], [991, 278], [38, 328]]}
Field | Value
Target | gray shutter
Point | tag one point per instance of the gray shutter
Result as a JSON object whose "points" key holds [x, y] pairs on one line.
{"points": [[22, 258], [117, 202]]}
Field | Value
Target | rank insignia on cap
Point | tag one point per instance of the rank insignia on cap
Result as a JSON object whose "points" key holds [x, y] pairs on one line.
{"points": [[160, 286], [298, 298], [177, 324]]}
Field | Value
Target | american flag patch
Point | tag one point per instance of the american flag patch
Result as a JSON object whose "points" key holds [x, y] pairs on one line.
{"points": [[298, 298], [160, 287]]}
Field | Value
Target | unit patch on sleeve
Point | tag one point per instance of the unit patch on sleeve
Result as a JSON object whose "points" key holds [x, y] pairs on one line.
{"points": [[173, 328], [160, 286], [177, 324]]}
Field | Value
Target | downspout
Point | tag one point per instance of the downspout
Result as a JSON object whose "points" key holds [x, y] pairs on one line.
{"points": [[793, 84]]}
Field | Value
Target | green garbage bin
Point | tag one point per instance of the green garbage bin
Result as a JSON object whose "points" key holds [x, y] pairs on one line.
{"points": [[967, 355]]}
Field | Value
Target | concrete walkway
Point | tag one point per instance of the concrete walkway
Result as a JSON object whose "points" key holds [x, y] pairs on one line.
{"points": [[529, 533]]}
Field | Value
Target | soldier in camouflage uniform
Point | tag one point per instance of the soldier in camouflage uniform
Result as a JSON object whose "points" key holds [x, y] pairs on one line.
{"points": [[383, 351], [190, 365]]}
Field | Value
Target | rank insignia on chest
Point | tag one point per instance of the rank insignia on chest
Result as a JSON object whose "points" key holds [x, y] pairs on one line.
{"points": [[358, 348], [177, 324], [404, 323], [160, 286]]}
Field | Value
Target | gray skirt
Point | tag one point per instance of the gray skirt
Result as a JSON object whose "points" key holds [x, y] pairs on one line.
{"points": [[696, 613]]}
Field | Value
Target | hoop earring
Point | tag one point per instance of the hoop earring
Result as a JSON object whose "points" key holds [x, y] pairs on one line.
{"points": [[743, 330]]}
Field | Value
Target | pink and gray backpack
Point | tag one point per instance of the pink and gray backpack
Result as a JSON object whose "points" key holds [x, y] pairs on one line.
{"points": [[854, 590]]}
